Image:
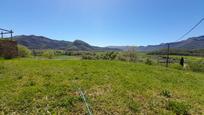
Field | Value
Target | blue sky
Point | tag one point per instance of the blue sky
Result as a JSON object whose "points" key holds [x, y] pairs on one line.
{"points": [[104, 22]]}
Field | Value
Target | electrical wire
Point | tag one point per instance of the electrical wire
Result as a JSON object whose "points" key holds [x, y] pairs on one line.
{"points": [[196, 25]]}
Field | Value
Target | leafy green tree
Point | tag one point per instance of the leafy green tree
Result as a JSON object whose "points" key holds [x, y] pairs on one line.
{"points": [[23, 51], [48, 54]]}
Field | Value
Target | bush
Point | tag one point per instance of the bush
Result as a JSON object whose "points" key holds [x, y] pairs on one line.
{"points": [[59, 52], [23, 51], [129, 55], [48, 54], [98, 56], [88, 57], [37, 52], [109, 56], [179, 108], [197, 66], [133, 106], [166, 93], [148, 61], [78, 53]]}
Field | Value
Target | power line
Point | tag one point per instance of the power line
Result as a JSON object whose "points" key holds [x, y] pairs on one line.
{"points": [[4, 31], [196, 25], [168, 45]]}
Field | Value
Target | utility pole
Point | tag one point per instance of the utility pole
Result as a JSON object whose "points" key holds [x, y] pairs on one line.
{"points": [[11, 34], [168, 52], [167, 57], [2, 35], [4, 31]]}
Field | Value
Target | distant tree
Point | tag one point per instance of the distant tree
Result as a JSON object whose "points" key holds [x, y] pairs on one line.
{"points": [[34, 52], [59, 52], [130, 55], [23, 51], [113, 55], [48, 54], [148, 61]]}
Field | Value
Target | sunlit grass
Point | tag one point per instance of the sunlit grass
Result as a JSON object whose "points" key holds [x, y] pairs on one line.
{"points": [[112, 87]]}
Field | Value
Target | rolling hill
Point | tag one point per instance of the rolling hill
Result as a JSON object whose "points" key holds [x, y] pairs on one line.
{"points": [[193, 43], [41, 42]]}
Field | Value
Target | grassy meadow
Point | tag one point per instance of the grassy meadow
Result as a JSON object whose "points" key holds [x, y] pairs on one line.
{"points": [[31, 86]]}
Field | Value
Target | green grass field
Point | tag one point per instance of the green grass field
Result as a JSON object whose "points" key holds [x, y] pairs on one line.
{"points": [[29, 86]]}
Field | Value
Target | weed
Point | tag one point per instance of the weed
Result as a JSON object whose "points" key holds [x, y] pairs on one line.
{"points": [[134, 106], [19, 77], [30, 83], [180, 108], [166, 93], [153, 103], [67, 102]]}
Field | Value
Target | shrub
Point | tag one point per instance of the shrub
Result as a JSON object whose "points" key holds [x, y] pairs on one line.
{"points": [[23, 51], [59, 52], [37, 52], [48, 54], [67, 102], [133, 106], [166, 93], [78, 53], [98, 56], [197, 66], [109, 56], [88, 57], [129, 55], [113, 55], [148, 61], [180, 108]]}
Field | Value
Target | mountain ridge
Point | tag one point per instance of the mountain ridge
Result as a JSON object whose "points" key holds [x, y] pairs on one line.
{"points": [[192, 43], [41, 42]]}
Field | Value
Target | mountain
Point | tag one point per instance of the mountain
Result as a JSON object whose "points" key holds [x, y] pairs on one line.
{"points": [[123, 48], [41, 42], [193, 43]]}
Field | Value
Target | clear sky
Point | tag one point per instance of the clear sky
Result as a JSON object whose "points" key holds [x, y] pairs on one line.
{"points": [[104, 22]]}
